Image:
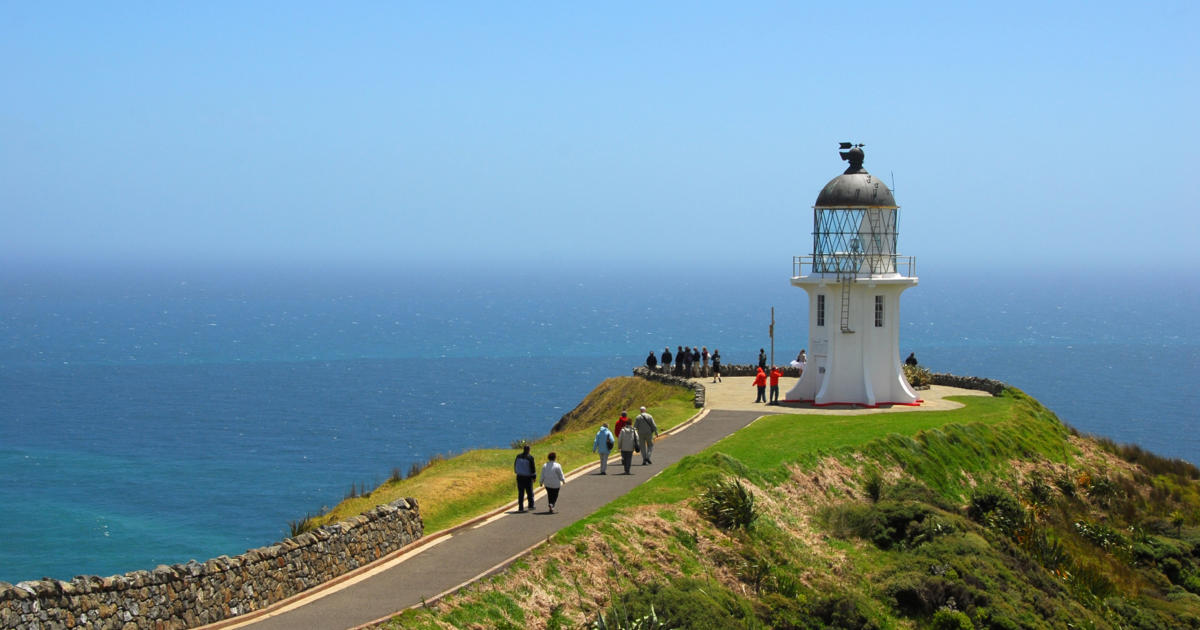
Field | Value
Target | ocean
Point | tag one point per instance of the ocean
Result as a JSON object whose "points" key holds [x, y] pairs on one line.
{"points": [[152, 416]]}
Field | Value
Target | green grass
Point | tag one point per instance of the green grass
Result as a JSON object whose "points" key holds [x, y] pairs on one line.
{"points": [[455, 489], [912, 557], [762, 451]]}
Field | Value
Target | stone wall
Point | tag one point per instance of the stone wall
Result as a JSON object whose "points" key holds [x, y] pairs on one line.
{"points": [[193, 594], [655, 375], [968, 382], [698, 386]]}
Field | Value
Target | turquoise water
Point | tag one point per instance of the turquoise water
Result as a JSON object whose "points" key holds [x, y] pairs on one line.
{"points": [[152, 417]]}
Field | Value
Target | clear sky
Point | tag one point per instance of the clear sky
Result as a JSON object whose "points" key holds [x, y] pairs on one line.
{"points": [[1035, 133]]}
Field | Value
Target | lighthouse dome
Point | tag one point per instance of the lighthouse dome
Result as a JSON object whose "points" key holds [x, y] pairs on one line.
{"points": [[856, 187]]}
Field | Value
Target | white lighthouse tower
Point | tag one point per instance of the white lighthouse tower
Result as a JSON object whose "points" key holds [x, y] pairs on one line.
{"points": [[854, 279]]}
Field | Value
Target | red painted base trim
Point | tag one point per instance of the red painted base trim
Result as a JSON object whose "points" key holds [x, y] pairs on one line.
{"points": [[917, 403]]}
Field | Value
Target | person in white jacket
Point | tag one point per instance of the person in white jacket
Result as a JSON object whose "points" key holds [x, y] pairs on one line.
{"points": [[553, 479], [627, 443]]}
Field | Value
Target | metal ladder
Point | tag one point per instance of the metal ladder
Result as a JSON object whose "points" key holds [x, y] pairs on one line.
{"points": [[846, 280]]}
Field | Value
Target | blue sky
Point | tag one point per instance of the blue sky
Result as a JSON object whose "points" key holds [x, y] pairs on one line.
{"points": [[394, 134]]}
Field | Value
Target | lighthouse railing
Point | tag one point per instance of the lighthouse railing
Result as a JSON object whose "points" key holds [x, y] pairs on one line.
{"points": [[852, 263]]}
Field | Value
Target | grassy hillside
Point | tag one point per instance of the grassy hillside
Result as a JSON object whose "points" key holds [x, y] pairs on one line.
{"points": [[991, 516], [452, 490]]}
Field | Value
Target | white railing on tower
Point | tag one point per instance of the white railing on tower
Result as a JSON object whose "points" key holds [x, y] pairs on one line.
{"points": [[851, 263]]}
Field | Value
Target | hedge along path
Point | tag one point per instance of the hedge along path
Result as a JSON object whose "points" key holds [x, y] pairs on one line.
{"points": [[445, 561]]}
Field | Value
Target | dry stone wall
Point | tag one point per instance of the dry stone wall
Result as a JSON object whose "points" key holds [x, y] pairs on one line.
{"points": [[193, 594], [988, 385]]}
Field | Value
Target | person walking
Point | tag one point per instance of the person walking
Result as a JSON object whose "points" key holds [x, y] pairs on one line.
{"points": [[716, 365], [603, 444], [526, 471], [621, 422], [651, 361], [760, 381], [775, 374], [553, 479], [647, 431], [627, 443]]}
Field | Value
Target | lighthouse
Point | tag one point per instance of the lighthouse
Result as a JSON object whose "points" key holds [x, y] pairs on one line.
{"points": [[854, 279]]}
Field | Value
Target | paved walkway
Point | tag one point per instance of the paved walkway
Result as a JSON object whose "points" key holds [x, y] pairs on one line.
{"points": [[445, 561]]}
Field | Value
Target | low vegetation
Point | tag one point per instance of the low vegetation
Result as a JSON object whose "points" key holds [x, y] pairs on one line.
{"points": [[453, 489], [917, 375], [995, 515]]}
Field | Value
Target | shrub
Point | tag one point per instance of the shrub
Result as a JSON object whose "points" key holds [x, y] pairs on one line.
{"points": [[1101, 535], [917, 376], [728, 505], [684, 603], [1038, 491], [649, 621], [951, 620], [844, 610], [873, 485], [1103, 491], [996, 509], [306, 524], [1066, 485], [919, 595]]}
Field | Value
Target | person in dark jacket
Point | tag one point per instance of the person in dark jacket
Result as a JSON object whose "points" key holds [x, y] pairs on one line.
{"points": [[651, 361], [526, 471], [666, 359], [680, 359], [716, 365], [695, 361], [911, 360], [762, 358]]}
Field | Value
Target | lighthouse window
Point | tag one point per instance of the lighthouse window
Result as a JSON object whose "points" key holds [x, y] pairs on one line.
{"points": [[879, 311], [820, 310]]}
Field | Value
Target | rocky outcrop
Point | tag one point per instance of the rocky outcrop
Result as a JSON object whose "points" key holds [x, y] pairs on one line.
{"points": [[193, 594]]}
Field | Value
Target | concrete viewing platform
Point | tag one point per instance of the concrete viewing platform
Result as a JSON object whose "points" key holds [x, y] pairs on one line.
{"points": [[444, 562], [738, 392]]}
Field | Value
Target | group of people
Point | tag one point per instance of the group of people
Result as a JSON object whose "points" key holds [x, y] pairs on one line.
{"points": [[688, 363], [552, 478], [627, 437], [760, 381]]}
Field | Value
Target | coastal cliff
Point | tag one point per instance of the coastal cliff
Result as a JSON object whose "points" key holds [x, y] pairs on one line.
{"points": [[1000, 516]]}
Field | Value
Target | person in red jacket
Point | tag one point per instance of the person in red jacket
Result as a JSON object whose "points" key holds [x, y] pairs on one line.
{"points": [[621, 422], [775, 374], [760, 381]]}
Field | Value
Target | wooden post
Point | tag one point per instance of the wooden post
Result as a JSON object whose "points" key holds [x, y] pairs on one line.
{"points": [[772, 332]]}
